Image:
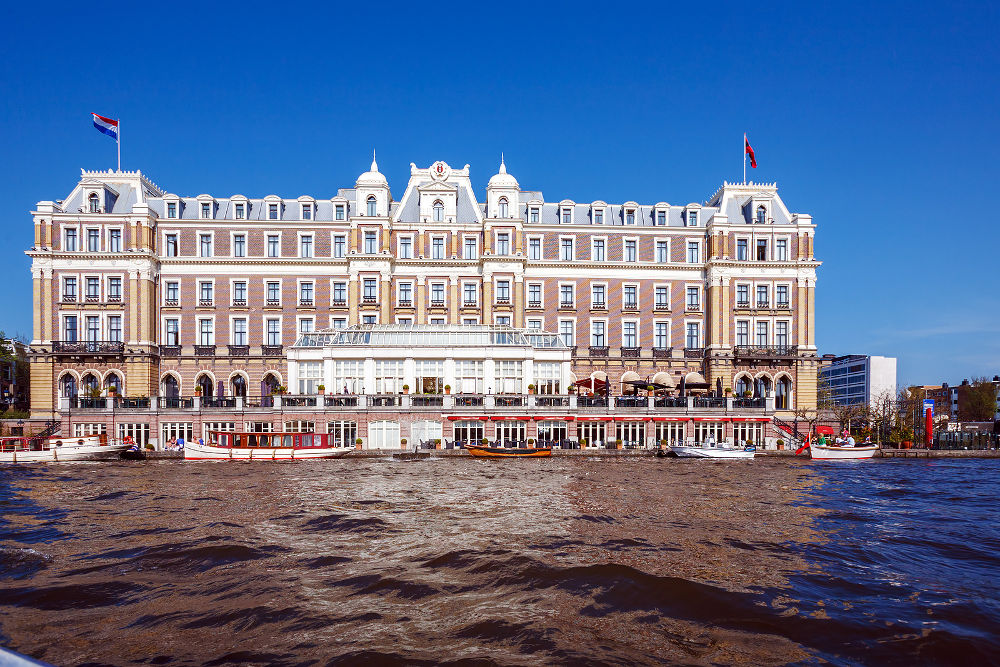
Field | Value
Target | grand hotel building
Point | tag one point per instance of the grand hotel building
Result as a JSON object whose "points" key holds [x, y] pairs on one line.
{"points": [[196, 303]]}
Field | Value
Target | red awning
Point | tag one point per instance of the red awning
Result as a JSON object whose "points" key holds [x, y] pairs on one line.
{"points": [[708, 419], [567, 418], [825, 430], [595, 419], [669, 419], [500, 418]]}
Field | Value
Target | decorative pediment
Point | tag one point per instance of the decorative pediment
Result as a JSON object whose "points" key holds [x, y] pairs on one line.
{"points": [[437, 186]]}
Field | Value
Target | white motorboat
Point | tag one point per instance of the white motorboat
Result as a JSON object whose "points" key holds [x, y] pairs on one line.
{"points": [[84, 448], [712, 451], [836, 453], [264, 447]]}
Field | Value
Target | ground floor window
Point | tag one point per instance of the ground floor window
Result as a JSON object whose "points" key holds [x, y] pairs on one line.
{"points": [[469, 431], [342, 433], [260, 427], [708, 432], [88, 429], [426, 432], [749, 431], [175, 431], [592, 433], [671, 432], [300, 426], [632, 434], [511, 433], [552, 432], [138, 432], [383, 435]]}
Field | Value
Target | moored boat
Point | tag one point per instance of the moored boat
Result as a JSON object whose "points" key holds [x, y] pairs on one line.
{"points": [[84, 448], [713, 452], [835, 453], [486, 452], [224, 445]]}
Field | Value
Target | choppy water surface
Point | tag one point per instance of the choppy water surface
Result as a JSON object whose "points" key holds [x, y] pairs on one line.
{"points": [[568, 560]]}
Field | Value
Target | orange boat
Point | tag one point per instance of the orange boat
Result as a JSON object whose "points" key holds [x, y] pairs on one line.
{"points": [[483, 451]]}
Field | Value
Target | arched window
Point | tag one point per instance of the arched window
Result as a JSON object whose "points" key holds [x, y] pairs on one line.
{"points": [[267, 387], [761, 215], [170, 387], [762, 388], [503, 207], [113, 379], [742, 386], [95, 202], [783, 394], [372, 209], [67, 386], [438, 212], [239, 386], [207, 386], [89, 384]]}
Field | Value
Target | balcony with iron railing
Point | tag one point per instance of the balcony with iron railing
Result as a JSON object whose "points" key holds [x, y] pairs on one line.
{"points": [[662, 352], [306, 303], [204, 350], [437, 303], [90, 347], [765, 351], [694, 352], [239, 350], [273, 303], [598, 350], [630, 306], [783, 305], [631, 352], [68, 298], [404, 303], [271, 350], [369, 301], [692, 306], [170, 350]]}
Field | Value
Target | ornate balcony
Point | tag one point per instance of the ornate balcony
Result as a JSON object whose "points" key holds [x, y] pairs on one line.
{"points": [[270, 350], [369, 301], [405, 303], [69, 298], [742, 304], [534, 304], [91, 347], [239, 350], [170, 350], [631, 352], [783, 305], [93, 298], [239, 303], [694, 352], [204, 350], [762, 303], [114, 298], [171, 302], [305, 303], [338, 303], [662, 352], [437, 303], [599, 305], [470, 304], [503, 302], [206, 303], [692, 307], [630, 305], [273, 303], [765, 351], [599, 350]]}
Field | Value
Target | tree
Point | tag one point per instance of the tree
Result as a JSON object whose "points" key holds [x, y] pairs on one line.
{"points": [[978, 401]]}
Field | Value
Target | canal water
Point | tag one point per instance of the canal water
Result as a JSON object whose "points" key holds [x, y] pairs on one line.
{"points": [[560, 561]]}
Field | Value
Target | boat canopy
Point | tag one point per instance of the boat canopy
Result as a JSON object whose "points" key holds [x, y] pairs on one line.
{"points": [[430, 335]]}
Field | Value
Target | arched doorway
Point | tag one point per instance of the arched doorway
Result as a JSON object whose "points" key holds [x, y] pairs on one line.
{"points": [[783, 394], [89, 384], [238, 386], [171, 388], [762, 387], [742, 386], [267, 387], [113, 380], [207, 386], [67, 386]]}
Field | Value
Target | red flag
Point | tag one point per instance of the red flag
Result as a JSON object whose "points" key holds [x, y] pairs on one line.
{"points": [[749, 151]]}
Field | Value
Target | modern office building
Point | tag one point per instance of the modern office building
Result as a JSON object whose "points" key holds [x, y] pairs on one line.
{"points": [[857, 379], [169, 296]]}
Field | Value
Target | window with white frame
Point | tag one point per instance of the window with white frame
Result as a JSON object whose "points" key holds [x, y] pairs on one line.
{"points": [[692, 337], [761, 215], [502, 207], [692, 218], [339, 212], [503, 291], [509, 375], [239, 334], [547, 377], [437, 247], [534, 248], [742, 296], [693, 301], [69, 288], [372, 206], [781, 334], [114, 288], [630, 216], [170, 243], [206, 293], [566, 296], [306, 325], [93, 240], [205, 245], [93, 327], [781, 250], [661, 296], [273, 245], [566, 250], [662, 252], [240, 293], [306, 293], [503, 243], [742, 333], [630, 335], [437, 294], [310, 376], [93, 292], [115, 328], [782, 296], [470, 249], [272, 211], [597, 250], [272, 333], [534, 324], [172, 209], [762, 333], [741, 250], [94, 203], [389, 376], [405, 247], [70, 244], [598, 333], [206, 331], [369, 289], [661, 218], [338, 322], [172, 293], [70, 328], [307, 211], [114, 240], [469, 375], [533, 214], [239, 245], [206, 210], [503, 320], [437, 211], [306, 245], [661, 335], [470, 294], [371, 242], [567, 215], [339, 246], [534, 295], [567, 332], [630, 297], [598, 296], [761, 250], [693, 252], [762, 294], [273, 293], [240, 213], [405, 294], [629, 253], [598, 216]]}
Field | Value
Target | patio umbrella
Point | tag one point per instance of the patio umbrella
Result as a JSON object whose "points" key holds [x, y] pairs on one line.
{"points": [[718, 386], [681, 392]]}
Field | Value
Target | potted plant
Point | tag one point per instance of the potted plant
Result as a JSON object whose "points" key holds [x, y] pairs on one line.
{"points": [[663, 443], [112, 389], [618, 443], [583, 443], [437, 443], [531, 389], [485, 442], [650, 388], [747, 394], [321, 388], [402, 441], [357, 443], [197, 390], [149, 446], [780, 443], [531, 442], [406, 389], [727, 391], [571, 389], [447, 389]]}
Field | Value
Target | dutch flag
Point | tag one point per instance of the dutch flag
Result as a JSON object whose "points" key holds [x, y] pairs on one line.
{"points": [[106, 125]]}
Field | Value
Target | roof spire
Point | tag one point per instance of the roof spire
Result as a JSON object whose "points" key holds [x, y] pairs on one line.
{"points": [[503, 167], [374, 163]]}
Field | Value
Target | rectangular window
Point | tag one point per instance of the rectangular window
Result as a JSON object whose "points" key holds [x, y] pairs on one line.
{"points": [[630, 251], [240, 331], [662, 298], [469, 294], [273, 332], [69, 328], [597, 250], [567, 215], [206, 210], [762, 333], [503, 244], [599, 216], [339, 212], [598, 296], [693, 298], [631, 297], [371, 243], [272, 211], [469, 249], [533, 216], [239, 293], [93, 240], [339, 246], [598, 337], [534, 325], [406, 294], [206, 332], [171, 242], [273, 293], [370, 289], [114, 289], [239, 245], [173, 293], [437, 294], [741, 250], [305, 294], [115, 328], [629, 336], [742, 333], [307, 211], [241, 212], [630, 217], [693, 335], [406, 247], [566, 250], [781, 250], [781, 334], [742, 296], [273, 245], [114, 240], [339, 322], [761, 250], [566, 333], [503, 320], [566, 298], [340, 293], [71, 240], [205, 245], [93, 289], [93, 328], [534, 248], [69, 289], [172, 209], [694, 252], [782, 296], [692, 218], [662, 252], [534, 295], [661, 335], [205, 293], [306, 245], [437, 247], [762, 296], [503, 291], [661, 218], [306, 325], [173, 331]]}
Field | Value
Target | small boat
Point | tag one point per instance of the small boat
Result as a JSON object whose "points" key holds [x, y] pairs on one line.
{"points": [[85, 448], [711, 451], [487, 452], [224, 445], [835, 453]]}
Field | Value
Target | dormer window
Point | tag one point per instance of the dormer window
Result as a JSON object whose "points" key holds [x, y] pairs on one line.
{"points": [[661, 218], [438, 211], [692, 218], [630, 217], [95, 203], [599, 217], [503, 207], [171, 209], [272, 211], [307, 211], [339, 212], [533, 214], [206, 210], [761, 215], [241, 212], [372, 210], [567, 215]]}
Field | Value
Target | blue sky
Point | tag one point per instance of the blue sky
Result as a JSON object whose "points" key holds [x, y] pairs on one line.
{"points": [[879, 120]]}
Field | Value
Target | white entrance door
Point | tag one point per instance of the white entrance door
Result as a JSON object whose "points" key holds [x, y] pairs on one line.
{"points": [[383, 435]]}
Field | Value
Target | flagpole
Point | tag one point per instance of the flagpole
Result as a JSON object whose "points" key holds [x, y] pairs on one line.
{"points": [[119, 142], [744, 158]]}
